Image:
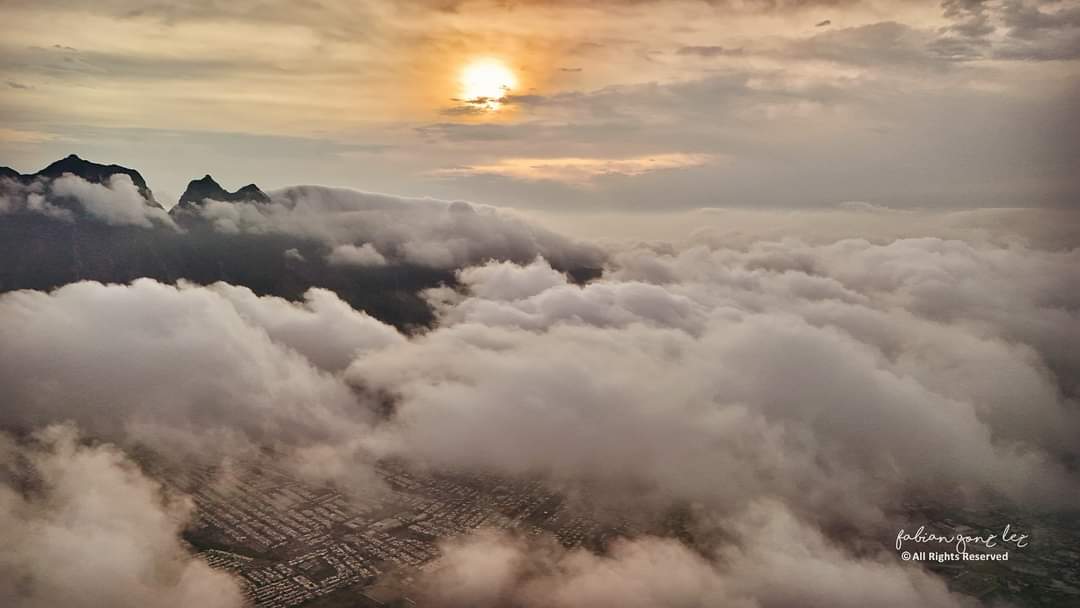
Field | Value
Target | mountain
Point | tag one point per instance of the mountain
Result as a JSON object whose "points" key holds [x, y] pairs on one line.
{"points": [[48, 240], [90, 171], [51, 240], [199, 190]]}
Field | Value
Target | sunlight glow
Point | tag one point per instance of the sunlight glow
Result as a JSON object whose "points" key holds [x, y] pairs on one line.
{"points": [[485, 84]]}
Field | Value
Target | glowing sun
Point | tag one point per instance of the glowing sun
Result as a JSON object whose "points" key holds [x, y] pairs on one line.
{"points": [[485, 83]]}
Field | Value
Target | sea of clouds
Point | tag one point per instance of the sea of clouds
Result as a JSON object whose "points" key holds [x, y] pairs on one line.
{"points": [[778, 389]]}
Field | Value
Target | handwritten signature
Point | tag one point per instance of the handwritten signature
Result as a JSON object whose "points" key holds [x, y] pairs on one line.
{"points": [[1007, 536]]}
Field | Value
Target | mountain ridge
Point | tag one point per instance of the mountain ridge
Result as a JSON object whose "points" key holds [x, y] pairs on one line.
{"points": [[50, 240], [90, 171], [206, 187], [197, 191]]}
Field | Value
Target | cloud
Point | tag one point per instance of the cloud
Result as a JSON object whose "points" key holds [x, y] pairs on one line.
{"points": [[1037, 35], [773, 388], [362, 227], [326, 330], [879, 110], [661, 378], [194, 371], [24, 136], [709, 51], [538, 297], [771, 560], [580, 170], [656, 379], [116, 202], [1048, 229], [351, 255], [506, 281], [95, 531], [17, 197]]}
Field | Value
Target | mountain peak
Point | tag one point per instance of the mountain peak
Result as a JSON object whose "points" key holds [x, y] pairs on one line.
{"points": [[206, 187], [94, 173], [252, 190]]}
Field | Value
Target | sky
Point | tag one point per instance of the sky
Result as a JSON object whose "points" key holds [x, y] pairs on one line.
{"points": [[610, 106]]}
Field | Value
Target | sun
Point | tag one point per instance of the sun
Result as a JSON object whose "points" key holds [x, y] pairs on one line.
{"points": [[485, 83]]}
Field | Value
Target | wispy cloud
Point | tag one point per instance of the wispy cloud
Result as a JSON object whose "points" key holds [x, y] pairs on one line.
{"points": [[576, 170], [24, 136]]}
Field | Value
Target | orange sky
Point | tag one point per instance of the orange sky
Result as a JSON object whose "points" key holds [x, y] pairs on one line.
{"points": [[369, 94]]}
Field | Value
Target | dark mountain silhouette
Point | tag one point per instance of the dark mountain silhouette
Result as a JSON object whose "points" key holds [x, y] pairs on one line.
{"points": [[40, 252], [91, 172], [198, 190]]}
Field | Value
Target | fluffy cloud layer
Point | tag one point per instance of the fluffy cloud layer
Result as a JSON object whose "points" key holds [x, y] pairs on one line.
{"points": [[779, 387], [117, 202], [351, 255], [184, 367], [836, 377], [770, 560], [92, 530], [365, 229]]}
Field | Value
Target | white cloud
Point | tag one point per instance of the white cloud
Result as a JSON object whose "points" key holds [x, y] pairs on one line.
{"points": [[350, 255], [770, 560], [117, 203], [786, 370], [99, 533], [326, 330], [777, 387], [205, 371], [506, 281], [580, 171], [426, 232]]}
